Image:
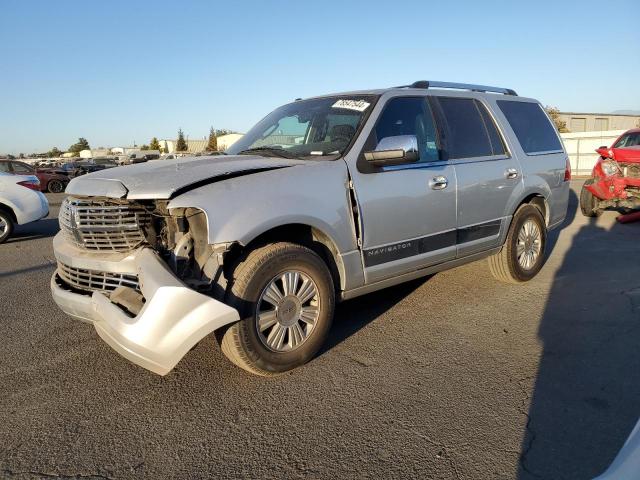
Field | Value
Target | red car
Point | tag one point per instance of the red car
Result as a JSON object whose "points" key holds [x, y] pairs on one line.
{"points": [[615, 179], [50, 181]]}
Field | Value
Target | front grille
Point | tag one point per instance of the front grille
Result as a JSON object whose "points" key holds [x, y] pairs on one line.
{"points": [[93, 280], [103, 224], [630, 170]]}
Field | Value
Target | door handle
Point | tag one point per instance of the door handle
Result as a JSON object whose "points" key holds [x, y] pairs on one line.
{"points": [[511, 173], [438, 183]]}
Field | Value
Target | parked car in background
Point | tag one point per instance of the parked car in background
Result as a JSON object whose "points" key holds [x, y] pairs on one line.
{"points": [[106, 162], [615, 179], [21, 202], [76, 169], [325, 199], [50, 180], [142, 156]]}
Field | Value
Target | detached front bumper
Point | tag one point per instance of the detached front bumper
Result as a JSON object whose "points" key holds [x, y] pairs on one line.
{"points": [[171, 321], [613, 188]]}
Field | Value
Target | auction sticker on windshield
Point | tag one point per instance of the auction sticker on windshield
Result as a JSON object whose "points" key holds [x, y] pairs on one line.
{"points": [[358, 105]]}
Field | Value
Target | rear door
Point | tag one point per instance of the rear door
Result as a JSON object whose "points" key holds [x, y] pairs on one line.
{"points": [[486, 174], [408, 212]]}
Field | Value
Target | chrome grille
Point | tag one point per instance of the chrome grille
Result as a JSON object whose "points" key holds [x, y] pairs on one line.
{"points": [[92, 280], [630, 170], [103, 224]]}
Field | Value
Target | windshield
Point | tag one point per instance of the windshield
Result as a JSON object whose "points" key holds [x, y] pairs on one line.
{"points": [[307, 128], [628, 140]]}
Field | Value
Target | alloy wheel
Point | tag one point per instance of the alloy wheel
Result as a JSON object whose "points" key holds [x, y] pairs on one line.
{"points": [[529, 244], [287, 311]]}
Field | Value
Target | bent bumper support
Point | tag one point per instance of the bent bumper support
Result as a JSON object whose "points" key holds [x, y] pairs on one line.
{"points": [[612, 188], [172, 320]]}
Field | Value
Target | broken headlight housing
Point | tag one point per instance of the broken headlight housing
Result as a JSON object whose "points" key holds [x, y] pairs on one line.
{"points": [[610, 167]]}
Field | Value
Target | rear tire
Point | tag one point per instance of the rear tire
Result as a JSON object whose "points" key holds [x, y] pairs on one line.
{"points": [[55, 186], [6, 225], [280, 328], [522, 254], [588, 202]]}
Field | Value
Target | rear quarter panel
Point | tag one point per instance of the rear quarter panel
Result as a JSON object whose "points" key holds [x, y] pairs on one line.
{"points": [[27, 205], [542, 174]]}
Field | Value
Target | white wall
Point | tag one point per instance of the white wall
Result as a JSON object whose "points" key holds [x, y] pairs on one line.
{"points": [[581, 148]]}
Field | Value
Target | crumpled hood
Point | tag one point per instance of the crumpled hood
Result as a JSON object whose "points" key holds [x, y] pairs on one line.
{"points": [[161, 179]]}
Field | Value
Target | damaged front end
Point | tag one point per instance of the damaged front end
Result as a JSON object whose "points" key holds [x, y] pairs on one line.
{"points": [[143, 274], [615, 184]]}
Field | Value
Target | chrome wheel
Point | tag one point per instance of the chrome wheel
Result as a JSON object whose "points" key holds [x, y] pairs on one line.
{"points": [[4, 227], [287, 311], [529, 244]]}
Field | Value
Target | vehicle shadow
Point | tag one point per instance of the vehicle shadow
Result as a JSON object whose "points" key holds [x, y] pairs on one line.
{"points": [[554, 235], [45, 228], [586, 396], [355, 314]]}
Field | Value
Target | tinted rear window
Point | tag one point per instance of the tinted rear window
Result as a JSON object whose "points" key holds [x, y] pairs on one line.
{"points": [[533, 129]]}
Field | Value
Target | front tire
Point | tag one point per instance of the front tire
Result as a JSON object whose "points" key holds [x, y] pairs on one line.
{"points": [[6, 225], [588, 202], [522, 254], [286, 298]]}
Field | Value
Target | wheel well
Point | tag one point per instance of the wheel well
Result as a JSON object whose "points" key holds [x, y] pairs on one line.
{"points": [[10, 211], [300, 234], [540, 203]]}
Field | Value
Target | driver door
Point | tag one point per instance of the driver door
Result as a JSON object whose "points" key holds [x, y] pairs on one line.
{"points": [[408, 211]]}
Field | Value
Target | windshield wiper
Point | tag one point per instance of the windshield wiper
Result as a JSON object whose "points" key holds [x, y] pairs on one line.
{"points": [[276, 151]]}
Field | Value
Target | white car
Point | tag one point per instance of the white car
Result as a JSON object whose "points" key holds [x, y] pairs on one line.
{"points": [[20, 202], [626, 465]]}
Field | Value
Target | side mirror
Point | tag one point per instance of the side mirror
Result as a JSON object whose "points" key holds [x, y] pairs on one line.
{"points": [[396, 150], [604, 151]]}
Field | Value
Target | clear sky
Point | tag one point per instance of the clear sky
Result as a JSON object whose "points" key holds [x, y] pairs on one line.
{"points": [[119, 71]]}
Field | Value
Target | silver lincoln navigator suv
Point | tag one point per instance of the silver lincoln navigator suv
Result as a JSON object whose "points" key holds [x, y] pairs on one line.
{"points": [[323, 200]]}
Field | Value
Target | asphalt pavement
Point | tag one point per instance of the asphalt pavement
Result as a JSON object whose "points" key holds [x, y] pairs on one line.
{"points": [[456, 376]]}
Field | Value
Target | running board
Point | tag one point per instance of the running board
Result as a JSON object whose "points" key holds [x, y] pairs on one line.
{"points": [[423, 272]]}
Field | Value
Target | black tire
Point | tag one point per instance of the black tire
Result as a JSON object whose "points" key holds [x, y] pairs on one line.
{"points": [[55, 186], [7, 220], [504, 265], [241, 342], [588, 202]]}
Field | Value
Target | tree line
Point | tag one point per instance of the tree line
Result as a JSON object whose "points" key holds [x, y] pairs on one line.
{"points": [[154, 144]]}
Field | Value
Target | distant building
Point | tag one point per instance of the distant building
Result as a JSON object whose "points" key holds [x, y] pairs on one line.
{"points": [[598, 122], [197, 146], [95, 152]]}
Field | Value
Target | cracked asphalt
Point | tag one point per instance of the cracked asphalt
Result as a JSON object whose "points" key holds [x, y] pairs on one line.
{"points": [[452, 377]]}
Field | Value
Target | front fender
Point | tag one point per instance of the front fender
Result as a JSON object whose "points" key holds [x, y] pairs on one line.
{"points": [[242, 208]]}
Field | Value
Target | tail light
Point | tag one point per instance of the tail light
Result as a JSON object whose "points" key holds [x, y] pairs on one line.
{"points": [[31, 184], [567, 170]]}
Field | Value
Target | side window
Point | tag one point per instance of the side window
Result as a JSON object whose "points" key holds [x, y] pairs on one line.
{"points": [[4, 167], [21, 168], [531, 125], [409, 116], [467, 132]]}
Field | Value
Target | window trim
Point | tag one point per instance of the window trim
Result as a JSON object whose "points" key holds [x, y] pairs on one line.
{"points": [[364, 167]]}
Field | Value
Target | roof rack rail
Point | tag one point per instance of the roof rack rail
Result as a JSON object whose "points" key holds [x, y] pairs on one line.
{"points": [[459, 86]]}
